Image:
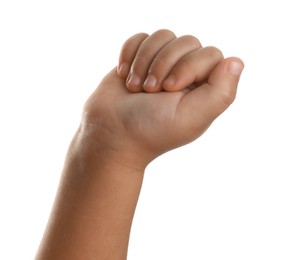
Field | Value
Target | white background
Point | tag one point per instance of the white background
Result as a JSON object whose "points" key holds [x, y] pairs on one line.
{"points": [[221, 197]]}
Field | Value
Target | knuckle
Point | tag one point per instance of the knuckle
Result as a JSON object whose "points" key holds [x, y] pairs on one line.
{"points": [[131, 45], [215, 52], [191, 40], [137, 36], [226, 98], [164, 33]]}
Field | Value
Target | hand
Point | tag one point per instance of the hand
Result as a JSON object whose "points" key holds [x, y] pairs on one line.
{"points": [[165, 92], [130, 116]]}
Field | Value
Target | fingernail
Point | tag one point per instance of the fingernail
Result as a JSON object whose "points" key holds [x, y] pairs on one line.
{"points": [[169, 82], [150, 82], [235, 68], [133, 80], [123, 69]]}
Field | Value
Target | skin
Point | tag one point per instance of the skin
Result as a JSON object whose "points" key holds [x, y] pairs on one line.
{"points": [[164, 93]]}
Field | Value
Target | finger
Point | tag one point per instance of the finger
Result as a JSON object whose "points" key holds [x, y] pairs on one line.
{"points": [[128, 52], [198, 108], [167, 57], [144, 56], [194, 67]]}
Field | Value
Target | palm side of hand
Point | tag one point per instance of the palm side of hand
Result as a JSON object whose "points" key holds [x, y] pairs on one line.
{"points": [[140, 122], [144, 107]]}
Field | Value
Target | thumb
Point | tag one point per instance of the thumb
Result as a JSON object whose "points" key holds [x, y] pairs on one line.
{"points": [[223, 82], [203, 104]]}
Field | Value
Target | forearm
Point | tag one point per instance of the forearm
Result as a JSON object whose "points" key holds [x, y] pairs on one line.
{"points": [[94, 207]]}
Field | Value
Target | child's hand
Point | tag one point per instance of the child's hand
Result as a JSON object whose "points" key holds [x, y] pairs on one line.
{"points": [[134, 128], [123, 129]]}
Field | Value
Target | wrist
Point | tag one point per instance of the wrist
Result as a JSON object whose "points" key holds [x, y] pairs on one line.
{"points": [[94, 143], [94, 147]]}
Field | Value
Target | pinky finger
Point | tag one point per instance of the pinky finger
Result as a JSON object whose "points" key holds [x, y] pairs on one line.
{"points": [[128, 52]]}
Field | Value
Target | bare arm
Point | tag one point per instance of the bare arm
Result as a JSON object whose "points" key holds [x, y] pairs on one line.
{"points": [[122, 132], [94, 207]]}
